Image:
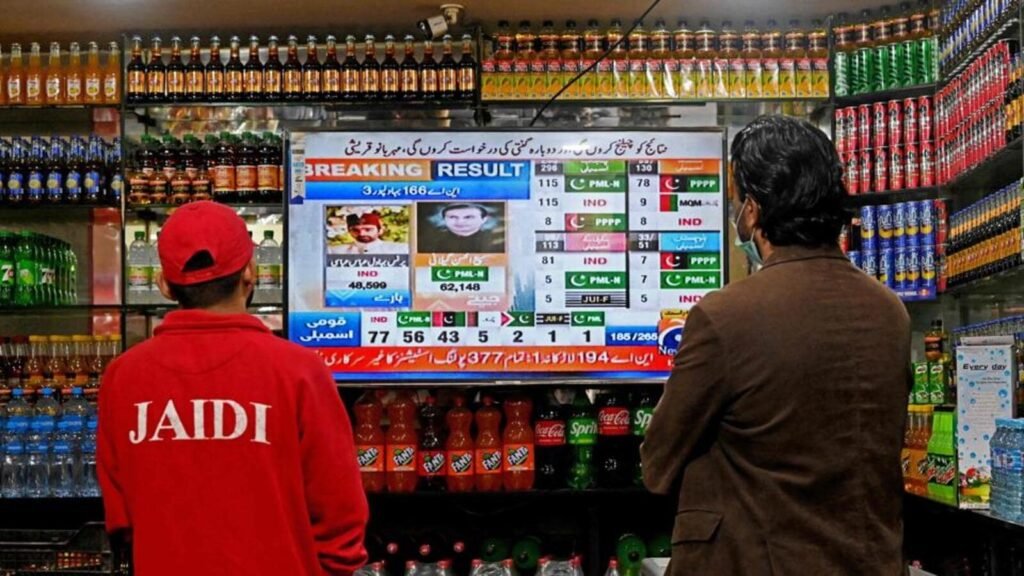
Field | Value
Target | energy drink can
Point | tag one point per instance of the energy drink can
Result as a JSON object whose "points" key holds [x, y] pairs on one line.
{"points": [[864, 125], [864, 165], [895, 130], [910, 120], [886, 265], [868, 223], [913, 274], [853, 142], [926, 217], [926, 262], [900, 267], [927, 154], [899, 220], [855, 258], [869, 262], [880, 121], [925, 118], [884, 221], [880, 181], [913, 171], [897, 164], [852, 172]]}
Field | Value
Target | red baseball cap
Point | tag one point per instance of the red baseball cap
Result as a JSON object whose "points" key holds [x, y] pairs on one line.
{"points": [[203, 226]]}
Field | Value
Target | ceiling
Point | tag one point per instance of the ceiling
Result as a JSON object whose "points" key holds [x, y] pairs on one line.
{"points": [[104, 20]]}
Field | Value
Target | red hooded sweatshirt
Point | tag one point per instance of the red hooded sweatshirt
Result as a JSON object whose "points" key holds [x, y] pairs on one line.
{"points": [[225, 450]]}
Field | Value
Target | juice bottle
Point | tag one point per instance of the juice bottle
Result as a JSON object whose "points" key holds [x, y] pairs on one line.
{"points": [[524, 63], [176, 73], [467, 77], [369, 441], [408, 76], [34, 91], [273, 72], [234, 72], [216, 84], [56, 364], [112, 75], [771, 54], [78, 364], [569, 60], [504, 62], [252, 75], [843, 58], [936, 343], [156, 73], [549, 61], [369, 70], [684, 56], [401, 444], [789, 74], [312, 72], [906, 458], [429, 73], [15, 87], [292, 72], [518, 445], [93, 76], [195, 73], [447, 69], [459, 447], [639, 52], [73, 81], [617, 62], [817, 52], [54, 81], [730, 61], [884, 47], [704, 62], [33, 373], [431, 464], [389, 71], [597, 81], [751, 56], [488, 457], [864, 66], [661, 67]]}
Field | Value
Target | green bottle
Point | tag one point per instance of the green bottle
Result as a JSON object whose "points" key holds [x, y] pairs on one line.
{"points": [[6, 269], [942, 468], [526, 554], [494, 550], [630, 551], [26, 270], [660, 546], [582, 438], [642, 416]]}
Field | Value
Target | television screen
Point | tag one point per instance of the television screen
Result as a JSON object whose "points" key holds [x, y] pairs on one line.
{"points": [[501, 255]]}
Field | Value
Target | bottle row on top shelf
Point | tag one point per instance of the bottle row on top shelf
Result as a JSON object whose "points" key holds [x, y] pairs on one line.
{"points": [[60, 170], [886, 51], [260, 78], [62, 81], [701, 63], [36, 270], [969, 23]]}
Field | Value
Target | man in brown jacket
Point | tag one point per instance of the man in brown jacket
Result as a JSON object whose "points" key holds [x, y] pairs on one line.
{"points": [[782, 423]]}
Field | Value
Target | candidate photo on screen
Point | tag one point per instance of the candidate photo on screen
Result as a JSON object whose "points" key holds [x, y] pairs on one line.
{"points": [[367, 229], [460, 227]]}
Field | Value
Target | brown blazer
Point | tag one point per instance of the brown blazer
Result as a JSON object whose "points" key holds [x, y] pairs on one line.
{"points": [[782, 423]]}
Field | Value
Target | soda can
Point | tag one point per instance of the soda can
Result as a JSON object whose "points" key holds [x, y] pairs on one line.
{"points": [[852, 171], [940, 218], [869, 262], [912, 174], [879, 124], [864, 125], [895, 134], [896, 167], [840, 137], [869, 244], [899, 220], [883, 222], [900, 267], [925, 217], [925, 118], [926, 263], [850, 129], [913, 263], [864, 165], [913, 218], [855, 258], [927, 154], [880, 180], [886, 264], [910, 132], [868, 223]]}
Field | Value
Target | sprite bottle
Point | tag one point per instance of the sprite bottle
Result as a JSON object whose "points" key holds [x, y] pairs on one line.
{"points": [[26, 270], [6, 269], [642, 414], [582, 439]]}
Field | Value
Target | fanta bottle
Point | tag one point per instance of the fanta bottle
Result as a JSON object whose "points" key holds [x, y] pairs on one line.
{"points": [[401, 444], [460, 477], [369, 439], [432, 466], [519, 445], [488, 447]]}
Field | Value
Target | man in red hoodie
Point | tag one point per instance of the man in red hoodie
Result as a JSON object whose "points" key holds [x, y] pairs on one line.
{"points": [[222, 448]]}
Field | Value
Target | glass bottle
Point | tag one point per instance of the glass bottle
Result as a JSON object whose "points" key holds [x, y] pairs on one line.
{"points": [[175, 73], [252, 77], [293, 72], [54, 82], [312, 72], [34, 90], [369, 71], [447, 71], [428, 72], [234, 73], [73, 80], [215, 80], [156, 73], [15, 86], [389, 71], [112, 75], [332, 72], [136, 72], [409, 72], [93, 76], [273, 72], [467, 81], [195, 72]]}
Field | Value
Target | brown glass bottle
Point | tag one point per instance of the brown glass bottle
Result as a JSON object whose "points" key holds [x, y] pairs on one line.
{"points": [[273, 72], [195, 73], [409, 75], [447, 71], [467, 83], [389, 71], [252, 78], [292, 72], [428, 72], [234, 73], [215, 73], [156, 73], [332, 72], [312, 72], [175, 73], [136, 74], [351, 89], [369, 70]]}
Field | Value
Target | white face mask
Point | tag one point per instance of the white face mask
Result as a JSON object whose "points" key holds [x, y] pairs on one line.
{"points": [[748, 246]]}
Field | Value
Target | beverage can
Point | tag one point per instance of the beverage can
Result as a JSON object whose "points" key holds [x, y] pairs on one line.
{"points": [[880, 121], [869, 262], [900, 268], [913, 263], [910, 132], [899, 220], [925, 120], [896, 167], [852, 172], [912, 174], [927, 154], [886, 263], [926, 262], [895, 135], [855, 258], [840, 135], [864, 125], [880, 181], [852, 135], [925, 217], [868, 221], [884, 222], [864, 165]]}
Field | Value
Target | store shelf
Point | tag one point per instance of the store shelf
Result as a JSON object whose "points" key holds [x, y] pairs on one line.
{"points": [[894, 197], [53, 210], [83, 107], [156, 211], [468, 498], [366, 105], [1007, 282], [985, 516], [547, 380], [996, 171], [1009, 29], [57, 310], [635, 102], [886, 95]]}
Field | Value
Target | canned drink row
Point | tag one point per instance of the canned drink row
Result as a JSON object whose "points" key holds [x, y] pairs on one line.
{"points": [[909, 270], [965, 21], [892, 123], [920, 220], [970, 144], [984, 82], [889, 168]]}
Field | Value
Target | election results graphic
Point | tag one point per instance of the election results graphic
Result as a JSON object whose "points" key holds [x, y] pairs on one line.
{"points": [[495, 255]]}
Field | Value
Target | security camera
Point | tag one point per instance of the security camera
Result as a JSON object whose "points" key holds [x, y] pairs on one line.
{"points": [[437, 26]]}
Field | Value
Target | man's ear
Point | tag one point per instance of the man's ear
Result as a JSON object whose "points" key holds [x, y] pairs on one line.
{"points": [[164, 286]]}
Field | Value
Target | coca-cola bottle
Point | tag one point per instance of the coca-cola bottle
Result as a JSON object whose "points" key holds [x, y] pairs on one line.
{"points": [[613, 454], [582, 437], [432, 466], [642, 414], [551, 448]]}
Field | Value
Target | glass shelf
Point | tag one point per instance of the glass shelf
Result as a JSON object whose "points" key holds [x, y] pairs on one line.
{"points": [[986, 515], [989, 175], [893, 197], [885, 95], [157, 211], [1005, 283]]}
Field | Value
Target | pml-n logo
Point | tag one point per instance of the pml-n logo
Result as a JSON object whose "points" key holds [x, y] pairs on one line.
{"points": [[670, 331]]}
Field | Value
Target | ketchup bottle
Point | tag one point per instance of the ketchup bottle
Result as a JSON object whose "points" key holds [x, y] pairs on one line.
{"points": [[460, 447], [488, 447], [369, 438], [402, 445], [518, 445]]}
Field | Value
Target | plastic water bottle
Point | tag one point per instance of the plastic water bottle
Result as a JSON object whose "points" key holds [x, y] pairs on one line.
{"points": [[89, 487], [1015, 471], [76, 408], [37, 457], [19, 414], [64, 465], [153, 257], [140, 266], [12, 469], [268, 263], [47, 406], [999, 447]]}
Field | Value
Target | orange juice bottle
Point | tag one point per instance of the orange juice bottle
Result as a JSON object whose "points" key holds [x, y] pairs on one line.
{"points": [[15, 87], [525, 56], [684, 56], [817, 51], [112, 75], [73, 76], [54, 81], [592, 49], [34, 91], [570, 59], [705, 61], [618, 58], [660, 65], [771, 54], [639, 52], [793, 81], [93, 76], [550, 58], [504, 59], [730, 61], [751, 56]]}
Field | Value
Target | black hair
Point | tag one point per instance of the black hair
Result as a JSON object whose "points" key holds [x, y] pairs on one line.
{"points": [[793, 172], [205, 294], [484, 212]]}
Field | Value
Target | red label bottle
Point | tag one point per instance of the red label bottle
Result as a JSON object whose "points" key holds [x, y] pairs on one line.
{"points": [[402, 445], [519, 445], [488, 447], [459, 446], [369, 439]]}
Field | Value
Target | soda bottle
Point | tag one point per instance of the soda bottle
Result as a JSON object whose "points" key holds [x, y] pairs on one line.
{"points": [[467, 70], [156, 73], [460, 477], [252, 78], [369, 71], [642, 415], [520, 464], [73, 81], [273, 72], [389, 71], [35, 90], [15, 189], [526, 554], [175, 73], [78, 364], [216, 83], [268, 170], [112, 75], [630, 552], [552, 449], [488, 447], [246, 169], [56, 369], [369, 440], [582, 438], [7, 268], [26, 270], [224, 185], [312, 72], [93, 76], [428, 73], [15, 87], [292, 72], [432, 466], [234, 72], [402, 442], [332, 71], [351, 79], [613, 452], [54, 193], [195, 73]]}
